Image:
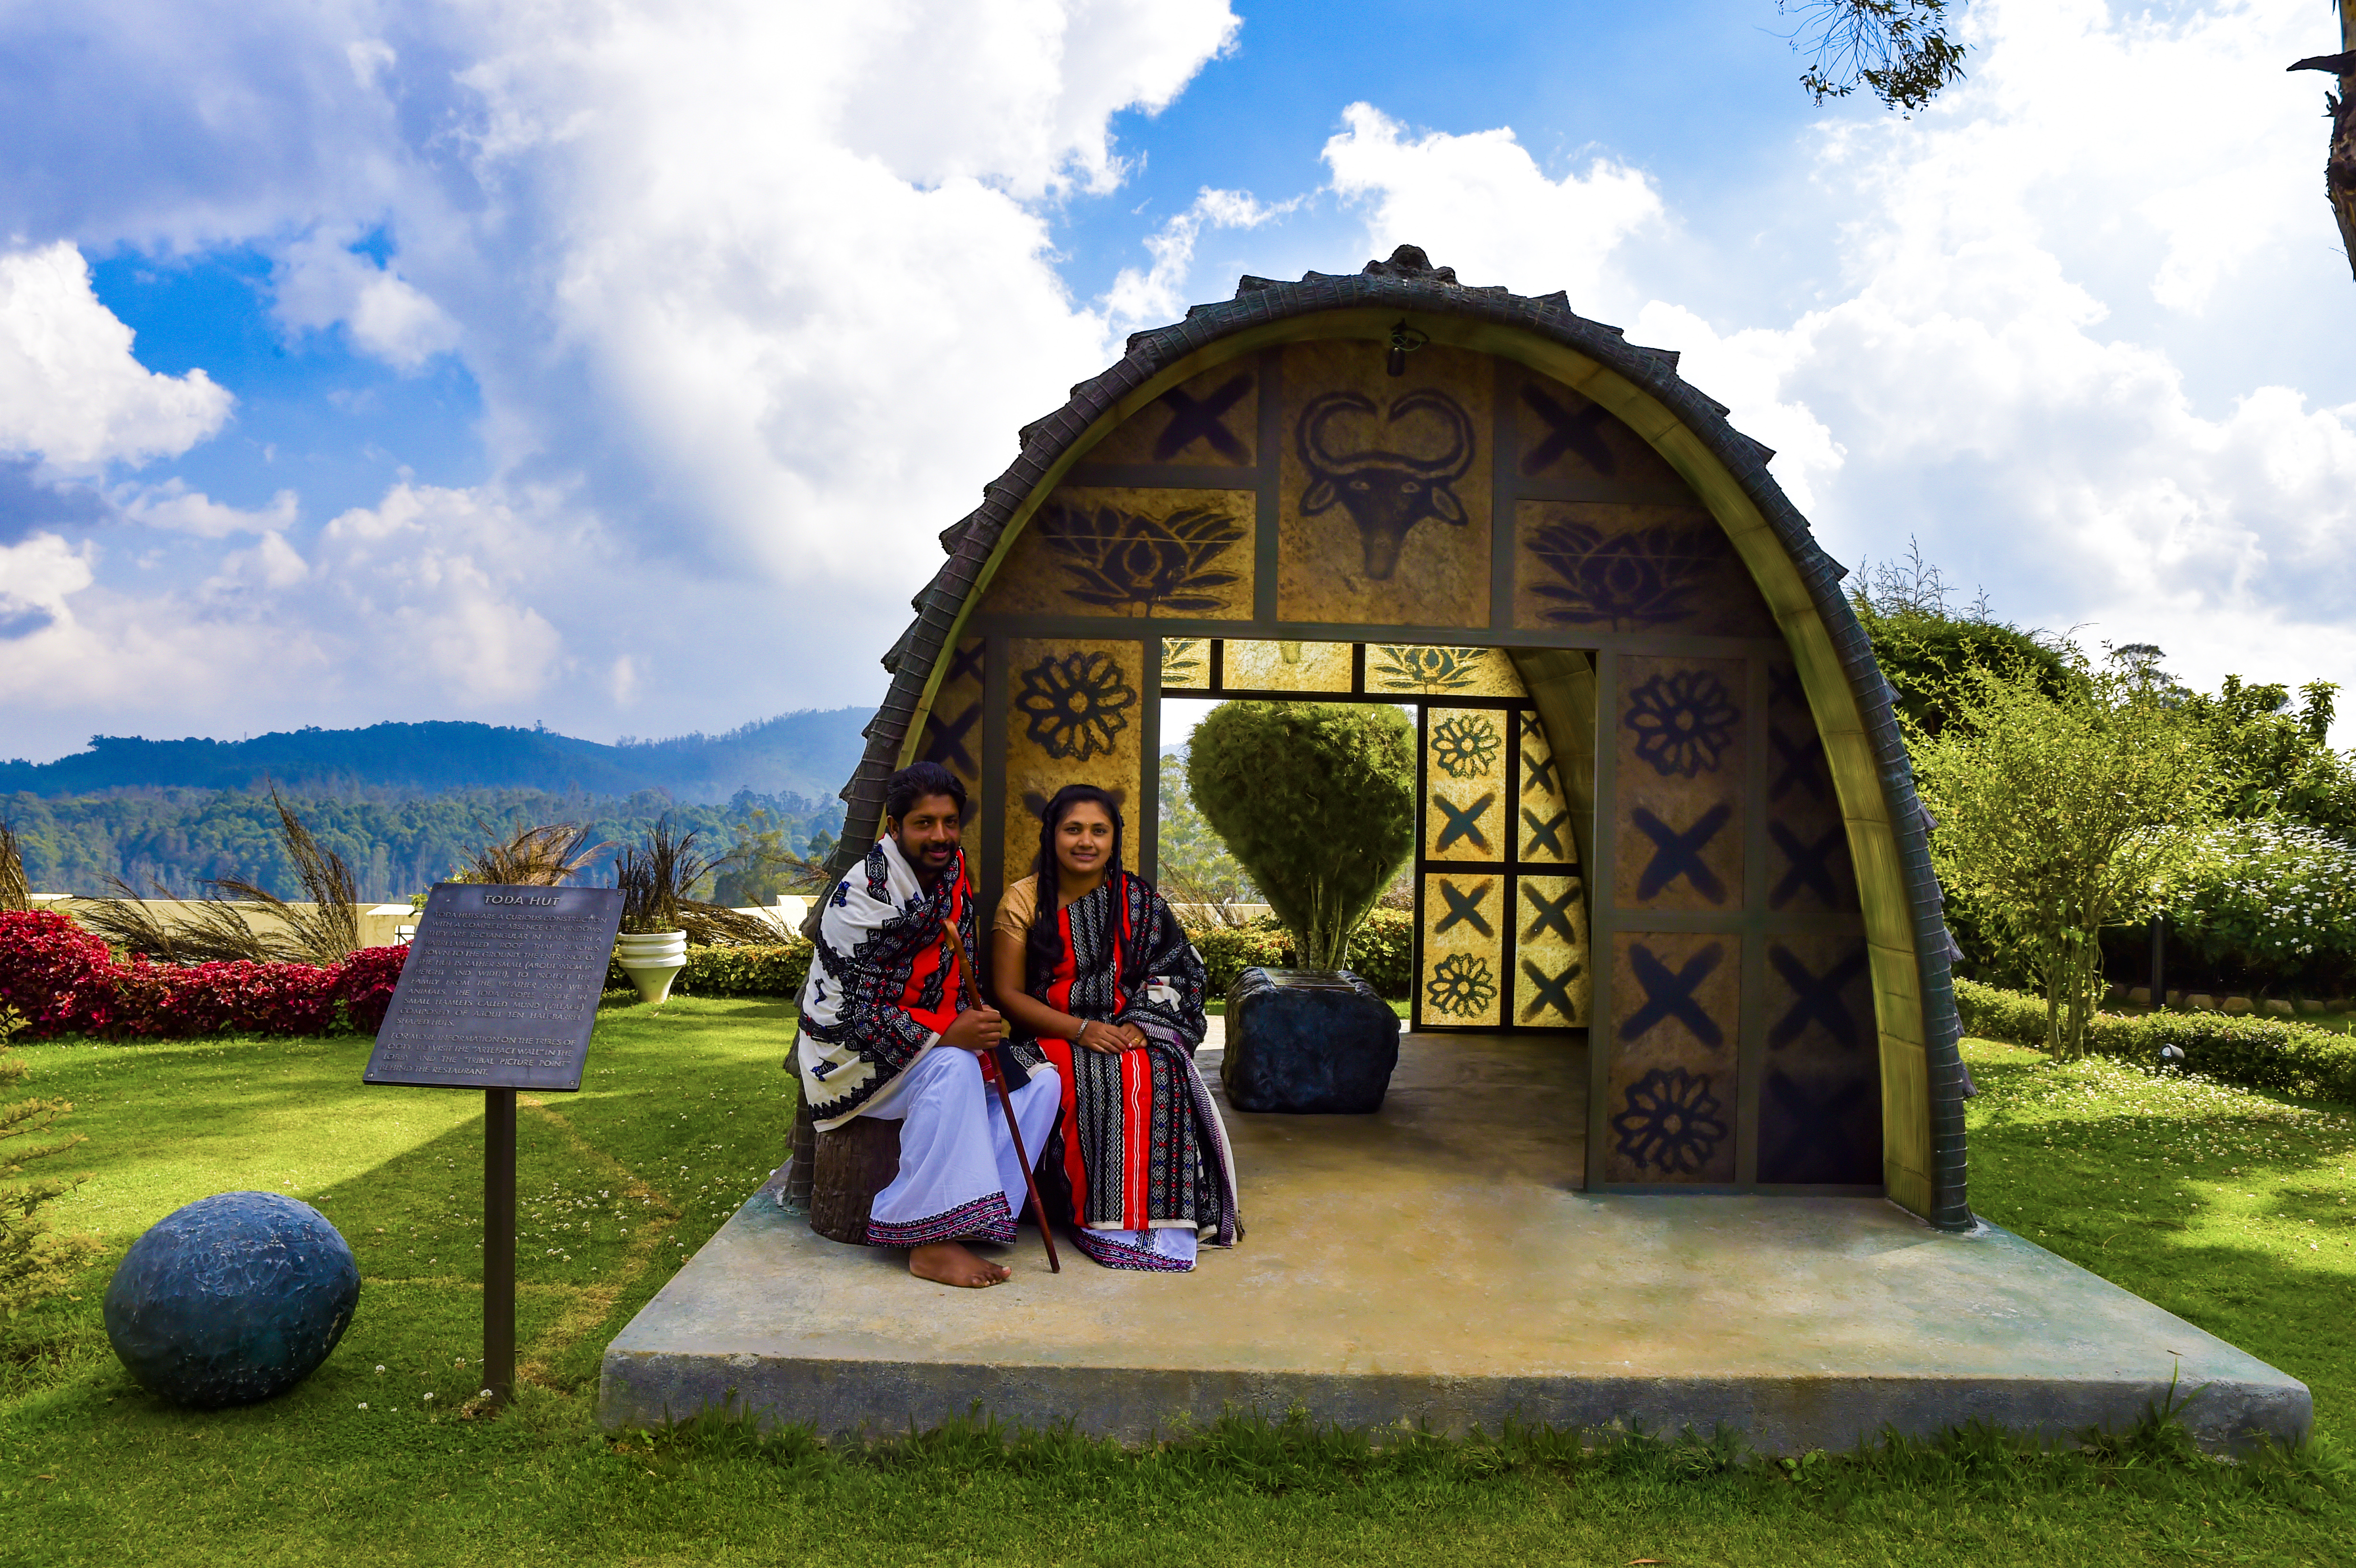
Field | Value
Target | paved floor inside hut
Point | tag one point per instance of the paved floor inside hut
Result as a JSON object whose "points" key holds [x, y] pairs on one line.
{"points": [[1437, 1262]]}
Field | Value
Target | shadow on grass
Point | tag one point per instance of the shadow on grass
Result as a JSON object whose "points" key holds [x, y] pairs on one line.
{"points": [[615, 1186]]}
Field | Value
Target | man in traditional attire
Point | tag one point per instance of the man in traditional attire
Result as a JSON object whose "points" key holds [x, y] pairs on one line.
{"points": [[885, 1032]]}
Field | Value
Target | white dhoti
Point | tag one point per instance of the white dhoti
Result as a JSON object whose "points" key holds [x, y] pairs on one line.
{"points": [[959, 1179]]}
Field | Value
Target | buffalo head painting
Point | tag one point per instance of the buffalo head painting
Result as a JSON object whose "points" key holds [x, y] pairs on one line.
{"points": [[1388, 468]]}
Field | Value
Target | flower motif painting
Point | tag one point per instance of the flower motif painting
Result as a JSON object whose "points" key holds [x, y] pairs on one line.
{"points": [[1462, 986], [1684, 721], [1121, 559], [1075, 706], [1671, 1122], [1627, 581], [1394, 667], [1465, 745]]}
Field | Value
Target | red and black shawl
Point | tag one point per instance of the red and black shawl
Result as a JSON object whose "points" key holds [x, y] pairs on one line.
{"points": [[1140, 1144]]}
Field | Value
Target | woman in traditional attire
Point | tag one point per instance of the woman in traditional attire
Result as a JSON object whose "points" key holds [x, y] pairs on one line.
{"points": [[1093, 970]]}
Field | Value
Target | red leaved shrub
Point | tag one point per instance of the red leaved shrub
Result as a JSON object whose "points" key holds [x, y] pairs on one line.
{"points": [[366, 981], [67, 982], [54, 971]]}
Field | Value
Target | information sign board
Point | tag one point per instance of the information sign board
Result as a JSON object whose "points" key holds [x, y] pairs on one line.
{"points": [[500, 988]]}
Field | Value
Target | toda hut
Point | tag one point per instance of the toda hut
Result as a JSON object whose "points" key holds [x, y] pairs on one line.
{"points": [[1665, 801]]}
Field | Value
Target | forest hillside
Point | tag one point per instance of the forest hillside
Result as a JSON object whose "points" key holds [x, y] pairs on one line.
{"points": [[810, 752], [404, 803]]}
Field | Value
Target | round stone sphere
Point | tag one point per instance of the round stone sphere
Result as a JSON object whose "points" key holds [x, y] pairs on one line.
{"points": [[235, 1299]]}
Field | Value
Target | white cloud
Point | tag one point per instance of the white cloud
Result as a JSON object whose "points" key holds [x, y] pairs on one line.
{"points": [[37, 578], [74, 652], [71, 393], [1501, 218], [1153, 297], [322, 282], [174, 507], [445, 577], [756, 294]]}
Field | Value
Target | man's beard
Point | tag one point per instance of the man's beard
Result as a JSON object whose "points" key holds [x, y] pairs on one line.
{"points": [[933, 858]]}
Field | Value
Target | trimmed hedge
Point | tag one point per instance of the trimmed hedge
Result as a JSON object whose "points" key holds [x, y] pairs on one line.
{"points": [[1379, 953], [66, 980], [2258, 1053], [767, 971]]}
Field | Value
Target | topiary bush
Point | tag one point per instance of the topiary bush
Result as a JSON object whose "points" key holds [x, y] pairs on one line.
{"points": [[2258, 1053], [771, 971], [1317, 801]]}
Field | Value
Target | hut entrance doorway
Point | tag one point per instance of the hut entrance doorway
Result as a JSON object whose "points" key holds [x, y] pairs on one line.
{"points": [[1500, 922]]}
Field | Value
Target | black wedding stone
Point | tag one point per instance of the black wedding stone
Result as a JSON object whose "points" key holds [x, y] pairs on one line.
{"points": [[1308, 1041], [235, 1299]]}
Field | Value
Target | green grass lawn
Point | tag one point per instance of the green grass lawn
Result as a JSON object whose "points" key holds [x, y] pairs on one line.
{"points": [[2230, 1209]]}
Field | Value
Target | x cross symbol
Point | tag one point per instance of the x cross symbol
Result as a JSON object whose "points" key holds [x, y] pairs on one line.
{"points": [[1812, 1123], [1553, 914], [1567, 432], [1542, 834], [965, 661], [1668, 995], [1811, 866], [1464, 909], [1464, 822], [1677, 854], [1549, 993], [1800, 767], [1815, 997], [1537, 774], [1191, 421], [944, 740]]}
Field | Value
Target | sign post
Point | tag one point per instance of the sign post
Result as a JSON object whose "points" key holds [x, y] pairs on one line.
{"points": [[498, 993]]}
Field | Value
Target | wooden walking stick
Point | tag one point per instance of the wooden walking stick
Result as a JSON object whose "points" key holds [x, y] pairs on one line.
{"points": [[1005, 1100]]}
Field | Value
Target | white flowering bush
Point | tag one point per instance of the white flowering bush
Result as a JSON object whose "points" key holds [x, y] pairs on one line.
{"points": [[2272, 903]]}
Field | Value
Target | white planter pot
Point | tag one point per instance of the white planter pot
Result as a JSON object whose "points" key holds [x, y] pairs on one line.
{"points": [[652, 961]]}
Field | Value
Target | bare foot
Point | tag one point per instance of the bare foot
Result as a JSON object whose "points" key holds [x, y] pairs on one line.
{"points": [[950, 1263]]}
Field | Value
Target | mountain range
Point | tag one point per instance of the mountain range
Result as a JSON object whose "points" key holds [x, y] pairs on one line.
{"points": [[811, 753]]}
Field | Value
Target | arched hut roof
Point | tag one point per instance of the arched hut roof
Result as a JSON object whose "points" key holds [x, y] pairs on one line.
{"points": [[1494, 318]]}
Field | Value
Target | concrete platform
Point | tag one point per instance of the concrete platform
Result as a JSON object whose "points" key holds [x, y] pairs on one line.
{"points": [[1436, 1263]]}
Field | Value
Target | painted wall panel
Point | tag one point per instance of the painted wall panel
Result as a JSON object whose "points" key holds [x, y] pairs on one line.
{"points": [[1678, 726], [1808, 864], [1820, 1103], [952, 732], [1466, 814], [1672, 1088], [1211, 418], [1307, 668], [1073, 718], [1465, 916], [1551, 986], [1564, 439], [1133, 553], [1616, 567], [1385, 487]]}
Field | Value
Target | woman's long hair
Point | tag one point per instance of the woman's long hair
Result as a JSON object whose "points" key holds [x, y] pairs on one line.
{"points": [[1043, 946]]}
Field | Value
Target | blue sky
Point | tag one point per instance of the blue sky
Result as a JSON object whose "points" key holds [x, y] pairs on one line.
{"points": [[613, 366]]}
